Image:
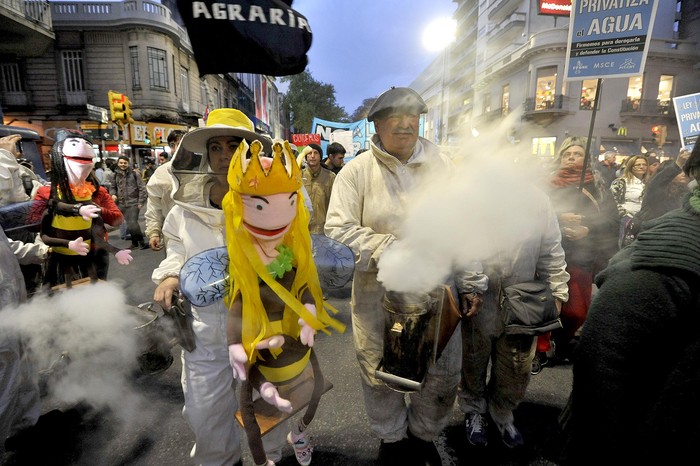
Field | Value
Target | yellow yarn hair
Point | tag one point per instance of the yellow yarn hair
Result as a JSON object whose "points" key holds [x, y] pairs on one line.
{"points": [[245, 266]]}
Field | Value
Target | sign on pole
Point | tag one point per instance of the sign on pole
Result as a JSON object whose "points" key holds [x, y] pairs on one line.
{"points": [[688, 118], [608, 39], [97, 113]]}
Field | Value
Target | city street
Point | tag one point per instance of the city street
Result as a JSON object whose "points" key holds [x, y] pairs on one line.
{"points": [[158, 434]]}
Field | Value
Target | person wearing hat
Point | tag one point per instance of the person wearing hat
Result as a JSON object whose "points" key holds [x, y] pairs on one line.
{"points": [[195, 224], [365, 212], [318, 182]]}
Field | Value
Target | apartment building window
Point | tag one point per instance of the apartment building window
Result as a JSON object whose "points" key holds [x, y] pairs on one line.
{"points": [[505, 99], [135, 74], [665, 93], [185, 85], [73, 74], [158, 68], [10, 79], [589, 89], [204, 101], [634, 92], [217, 99], [486, 104], [545, 88]]}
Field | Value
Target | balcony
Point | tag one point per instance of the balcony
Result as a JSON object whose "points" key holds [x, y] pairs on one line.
{"points": [[646, 108], [502, 8], [541, 110], [507, 30], [73, 98], [13, 100], [489, 116], [25, 27], [108, 14]]}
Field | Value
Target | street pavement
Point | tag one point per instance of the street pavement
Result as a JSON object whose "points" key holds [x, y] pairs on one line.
{"points": [[158, 434]]}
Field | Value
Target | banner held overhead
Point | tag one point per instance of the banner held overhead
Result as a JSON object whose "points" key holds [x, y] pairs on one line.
{"points": [[608, 39], [247, 36]]}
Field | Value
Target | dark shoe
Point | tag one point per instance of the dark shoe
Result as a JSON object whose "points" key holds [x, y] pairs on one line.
{"points": [[423, 452], [393, 453], [145, 246], [475, 424], [134, 245], [511, 436]]}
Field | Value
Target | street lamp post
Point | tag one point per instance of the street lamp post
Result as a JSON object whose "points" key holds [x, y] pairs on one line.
{"points": [[438, 36]]}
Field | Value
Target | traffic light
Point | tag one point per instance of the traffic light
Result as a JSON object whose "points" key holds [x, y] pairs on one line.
{"points": [[147, 139], [128, 118], [119, 108], [658, 133], [159, 137]]}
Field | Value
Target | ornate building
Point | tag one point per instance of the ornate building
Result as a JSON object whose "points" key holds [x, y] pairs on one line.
{"points": [[505, 74], [64, 57]]}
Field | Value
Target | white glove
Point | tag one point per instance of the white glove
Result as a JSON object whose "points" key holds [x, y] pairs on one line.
{"points": [[237, 358], [124, 256], [89, 211], [79, 246]]}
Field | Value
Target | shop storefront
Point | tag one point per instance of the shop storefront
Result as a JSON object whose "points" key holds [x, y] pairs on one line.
{"points": [[138, 141]]}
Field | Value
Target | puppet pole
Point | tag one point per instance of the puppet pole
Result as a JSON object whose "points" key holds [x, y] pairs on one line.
{"points": [[587, 156]]}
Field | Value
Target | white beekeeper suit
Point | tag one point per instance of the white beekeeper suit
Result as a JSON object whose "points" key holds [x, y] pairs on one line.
{"points": [[194, 225]]}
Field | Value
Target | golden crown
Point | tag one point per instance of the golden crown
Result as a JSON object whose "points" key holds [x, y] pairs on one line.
{"points": [[253, 172]]}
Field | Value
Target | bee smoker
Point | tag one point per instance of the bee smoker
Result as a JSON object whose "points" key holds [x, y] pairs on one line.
{"points": [[411, 327]]}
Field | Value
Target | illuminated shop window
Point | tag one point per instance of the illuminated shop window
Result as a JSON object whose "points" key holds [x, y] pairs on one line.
{"points": [[546, 88], [588, 94]]}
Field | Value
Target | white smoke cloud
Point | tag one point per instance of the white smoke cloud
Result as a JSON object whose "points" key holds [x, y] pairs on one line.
{"points": [[94, 327], [483, 207]]}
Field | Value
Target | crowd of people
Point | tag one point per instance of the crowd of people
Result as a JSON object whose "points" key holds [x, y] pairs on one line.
{"points": [[630, 230]]}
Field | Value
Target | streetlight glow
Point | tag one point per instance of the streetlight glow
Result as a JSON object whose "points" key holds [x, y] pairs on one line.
{"points": [[439, 34]]}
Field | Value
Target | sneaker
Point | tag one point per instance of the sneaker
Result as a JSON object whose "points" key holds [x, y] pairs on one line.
{"points": [[302, 448], [475, 424], [538, 362], [511, 436]]}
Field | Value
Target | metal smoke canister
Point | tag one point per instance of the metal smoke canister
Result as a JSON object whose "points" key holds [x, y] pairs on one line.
{"points": [[410, 326]]}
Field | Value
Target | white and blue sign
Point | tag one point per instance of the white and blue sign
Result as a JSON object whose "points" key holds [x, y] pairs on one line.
{"points": [[362, 131], [609, 38], [688, 118]]}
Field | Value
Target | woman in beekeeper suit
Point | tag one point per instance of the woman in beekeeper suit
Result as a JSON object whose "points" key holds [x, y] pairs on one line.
{"points": [[196, 224]]}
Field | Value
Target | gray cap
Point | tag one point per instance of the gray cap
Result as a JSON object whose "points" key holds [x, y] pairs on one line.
{"points": [[397, 99]]}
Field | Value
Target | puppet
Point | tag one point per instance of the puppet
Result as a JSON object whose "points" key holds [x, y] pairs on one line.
{"points": [[275, 299], [71, 221]]}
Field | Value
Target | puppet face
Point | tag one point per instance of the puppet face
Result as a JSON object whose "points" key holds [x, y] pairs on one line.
{"points": [[269, 217], [77, 156]]}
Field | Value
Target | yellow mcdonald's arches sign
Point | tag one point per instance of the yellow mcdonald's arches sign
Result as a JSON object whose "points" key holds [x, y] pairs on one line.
{"points": [[622, 131]]}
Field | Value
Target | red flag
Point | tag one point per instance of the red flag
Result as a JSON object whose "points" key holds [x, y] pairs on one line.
{"points": [[206, 114], [247, 36]]}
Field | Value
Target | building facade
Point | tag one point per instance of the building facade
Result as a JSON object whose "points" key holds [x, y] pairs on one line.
{"points": [[505, 77], [135, 47]]}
